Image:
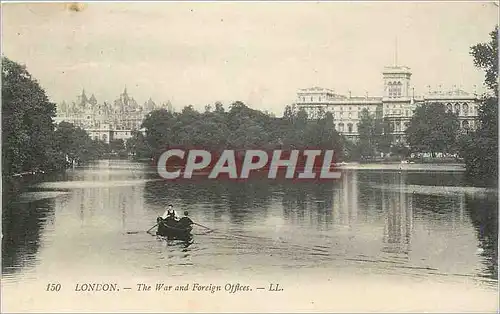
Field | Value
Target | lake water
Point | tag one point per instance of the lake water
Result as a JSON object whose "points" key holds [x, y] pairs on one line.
{"points": [[383, 238]]}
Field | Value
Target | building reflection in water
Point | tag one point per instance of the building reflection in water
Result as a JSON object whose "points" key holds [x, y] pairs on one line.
{"points": [[397, 206], [345, 200]]}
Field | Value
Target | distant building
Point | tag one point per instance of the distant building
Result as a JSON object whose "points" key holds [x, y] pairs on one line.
{"points": [[106, 121], [397, 104]]}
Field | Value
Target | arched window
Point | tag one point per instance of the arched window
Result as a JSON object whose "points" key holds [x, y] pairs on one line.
{"points": [[448, 107], [341, 127], [465, 124], [457, 109], [465, 107], [349, 127], [398, 126]]}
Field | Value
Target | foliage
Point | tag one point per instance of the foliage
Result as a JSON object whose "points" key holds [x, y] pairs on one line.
{"points": [[137, 146], [433, 129], [480, 148], [30, 140], [486, 57], [75, 144], [238, 128], [26, 120], [374, 135]]}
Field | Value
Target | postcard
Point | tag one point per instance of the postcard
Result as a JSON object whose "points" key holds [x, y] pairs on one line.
{"points": [[249, 157]]}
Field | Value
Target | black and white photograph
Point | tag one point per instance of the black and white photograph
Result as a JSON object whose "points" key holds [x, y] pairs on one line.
{"points": [[249, 156]]}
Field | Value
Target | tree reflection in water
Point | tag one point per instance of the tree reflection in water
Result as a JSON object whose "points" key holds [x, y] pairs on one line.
{"points": [[484, 217]]}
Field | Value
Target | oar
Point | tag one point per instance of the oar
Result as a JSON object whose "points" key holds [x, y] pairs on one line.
{"points": [[152, 228], [202, 226]]}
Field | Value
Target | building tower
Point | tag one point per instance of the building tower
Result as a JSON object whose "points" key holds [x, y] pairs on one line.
{"points": [[396, 81], [396, 78]]}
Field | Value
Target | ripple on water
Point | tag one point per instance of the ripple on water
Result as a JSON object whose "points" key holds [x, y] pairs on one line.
{"points": [[28, 197], [435, 190], [92, 184]]}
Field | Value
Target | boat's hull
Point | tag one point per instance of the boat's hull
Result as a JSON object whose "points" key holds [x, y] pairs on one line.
{"points": [[173, 232]]}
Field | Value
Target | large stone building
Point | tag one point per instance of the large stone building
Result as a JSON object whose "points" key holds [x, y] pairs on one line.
{"points": [[107, 121], [396, 104]]}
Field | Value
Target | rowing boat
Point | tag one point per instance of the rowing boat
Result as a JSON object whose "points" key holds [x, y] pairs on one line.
{"points": [[171, 229]]}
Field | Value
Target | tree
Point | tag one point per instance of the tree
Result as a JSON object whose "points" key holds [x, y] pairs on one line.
{"points": [[367, 134], [74, 144], [384, 137], [486, 57], [480, 150], [137, 146], [30, 140], [117, 145], [27, 126], [239, 128], [374, 135], [432, 129]]}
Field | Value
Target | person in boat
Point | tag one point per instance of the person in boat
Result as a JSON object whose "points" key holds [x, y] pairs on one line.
{"points": [[185, 221], [170, 212]]}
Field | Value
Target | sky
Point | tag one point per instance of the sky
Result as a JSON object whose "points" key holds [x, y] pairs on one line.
{"points": [[261, 53]]}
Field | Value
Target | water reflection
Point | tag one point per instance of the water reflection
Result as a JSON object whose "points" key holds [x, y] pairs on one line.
{"points": [[398, 209], [485, 221], [22, 225], [366, 219]]}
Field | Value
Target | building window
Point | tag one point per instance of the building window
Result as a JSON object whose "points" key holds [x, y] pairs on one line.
{"points": [[466, 108], [398, 89], [395, 89], [349, 127], [406, 113], [465, 124], [341, 127]]}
